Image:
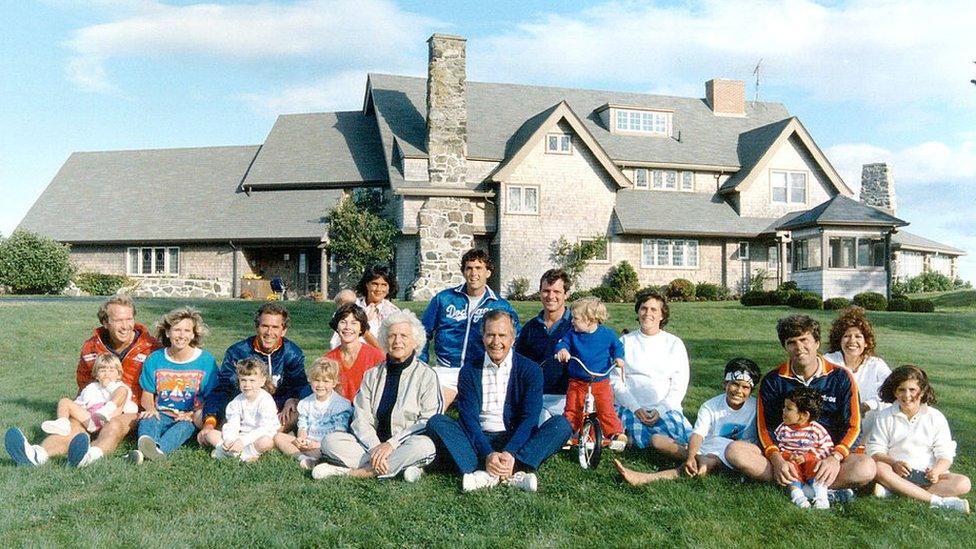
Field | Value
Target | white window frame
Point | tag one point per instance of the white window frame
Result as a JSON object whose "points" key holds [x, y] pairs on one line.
{"points": [[689, 178], [638, 183], [652, 249], [660, 179], [606, 252], [642, 122], [788, 186], [563, 145], [772, 257], [521, 208], [743, 251], [168, 268]]}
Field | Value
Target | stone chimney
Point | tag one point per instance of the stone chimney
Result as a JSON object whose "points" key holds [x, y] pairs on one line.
{"points": [[447, 112], [878, 187], [445, 223], [726, 97]]}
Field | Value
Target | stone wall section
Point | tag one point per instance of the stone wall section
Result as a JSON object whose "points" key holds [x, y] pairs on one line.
{"points": [[756, 201], [878, 187], [444, 234], [447, 115], [149, 287]]}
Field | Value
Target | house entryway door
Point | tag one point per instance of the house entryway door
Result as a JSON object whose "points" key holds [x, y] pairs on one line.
{"points": [[309, 270]]}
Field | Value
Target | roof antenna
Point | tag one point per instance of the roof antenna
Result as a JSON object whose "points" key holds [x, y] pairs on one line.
{"points": [[756, 72]]}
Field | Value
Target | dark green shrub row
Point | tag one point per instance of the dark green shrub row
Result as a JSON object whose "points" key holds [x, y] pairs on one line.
{"points": [[836, 303], [871, 301], [100, 284]]}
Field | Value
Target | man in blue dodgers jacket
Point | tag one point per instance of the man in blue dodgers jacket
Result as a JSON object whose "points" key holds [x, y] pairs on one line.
{"points": [[453, 321], [539, 336], [286, 363], [805, 367], [499, 401]]}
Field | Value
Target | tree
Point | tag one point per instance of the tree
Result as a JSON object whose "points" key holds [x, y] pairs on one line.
{"points": [[34, 264], [572, 258], [358, 236]]}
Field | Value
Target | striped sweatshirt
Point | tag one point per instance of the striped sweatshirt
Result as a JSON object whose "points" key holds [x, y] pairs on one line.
{"points": [[800, 438]]}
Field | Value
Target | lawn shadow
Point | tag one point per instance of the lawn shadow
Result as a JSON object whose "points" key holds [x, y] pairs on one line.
{"points": [[44, 406]]}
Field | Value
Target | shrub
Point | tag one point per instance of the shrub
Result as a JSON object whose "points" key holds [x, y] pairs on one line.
{"points": [[872, 301], [606, 294], [934, 281], [757, 281], [923, 306], [34, 264], [899, 304], [711, 292], [836, 303], [623, 278], [806, 300], [518, 288], [578, 294], [755, 299], [789, 285], [681, 289], [781, 296], [100, 284], [572, 258]]}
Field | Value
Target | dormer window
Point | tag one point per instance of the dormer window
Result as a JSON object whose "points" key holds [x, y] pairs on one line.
{"points": [[559, 143], [640, 178], [644, 122]]}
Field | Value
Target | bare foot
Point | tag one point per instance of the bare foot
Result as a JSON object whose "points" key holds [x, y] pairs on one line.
{"points": [[635, 478], [362, 473]]}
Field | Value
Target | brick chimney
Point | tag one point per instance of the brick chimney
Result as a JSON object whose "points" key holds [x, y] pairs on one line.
{"points": [[726, 97], [878, 187], [447, 113]]}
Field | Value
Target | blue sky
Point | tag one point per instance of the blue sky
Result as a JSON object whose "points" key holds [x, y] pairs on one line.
{"points": [[871, 80]]}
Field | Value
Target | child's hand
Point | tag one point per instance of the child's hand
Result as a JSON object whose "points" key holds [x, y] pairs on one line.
{"points": [[620, 364], [562, 355], [301, 443], [691, 466], [797, 459], [901, 469], [935, 473]]}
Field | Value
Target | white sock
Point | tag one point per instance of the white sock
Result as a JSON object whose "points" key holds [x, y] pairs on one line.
{"points": [[936, 501], [40, 454]]}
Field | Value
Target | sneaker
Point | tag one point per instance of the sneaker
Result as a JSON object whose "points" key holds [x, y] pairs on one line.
{"points": [[135, 457], [618, 443], [523, 481], [845, 495], [326, 470], [60, 426], [19, 449], [104, 414], [880, 491], [412, 473], [149, 448], [307, 463], [799, 499], [821, 503], [78, 449], [478, 480], [956, 504]]}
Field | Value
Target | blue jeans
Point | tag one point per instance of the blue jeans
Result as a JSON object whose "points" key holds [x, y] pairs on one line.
{"points": [[545, 441], [168, 433]]}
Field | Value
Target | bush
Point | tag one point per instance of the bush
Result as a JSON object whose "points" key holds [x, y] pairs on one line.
{"points": [[100, 284], [358, 235], [836, 303], [899, 304], [923, 306], [789, 285], [578, 294], [623, 278], [933, 281], [755, 299], [872, 301], [757, 281], [681, 289], [711, 292], [806, 300], [781, 296], [518, 288], [34, 264], [606, 294]]}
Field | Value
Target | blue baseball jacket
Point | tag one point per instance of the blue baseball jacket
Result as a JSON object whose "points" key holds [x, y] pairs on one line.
{"points": [[456, 330]]}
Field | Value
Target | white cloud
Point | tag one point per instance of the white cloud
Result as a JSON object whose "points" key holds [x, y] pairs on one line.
{"points": [[931, 162], [344, 33], [340, 92], [865, 50]]}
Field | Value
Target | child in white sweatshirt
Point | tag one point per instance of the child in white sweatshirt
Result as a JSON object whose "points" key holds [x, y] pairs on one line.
{"points": [[252, 417]]}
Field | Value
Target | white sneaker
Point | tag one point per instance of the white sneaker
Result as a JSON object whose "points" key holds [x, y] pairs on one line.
{"points": [[523, 481], [412, 473], [821, 503], [955, 504], [618, 443], [798, 499], [60, 426], [250, 454], [326, 470], [149, 448], [478, 480], [880, 491], [104, 414], [135, 457]]}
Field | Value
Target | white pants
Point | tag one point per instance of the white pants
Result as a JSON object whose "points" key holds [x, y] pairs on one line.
{"points": [[346, 450]]}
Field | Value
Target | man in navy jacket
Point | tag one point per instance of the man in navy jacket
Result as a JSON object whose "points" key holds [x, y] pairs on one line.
{"points": [[496, 439]]}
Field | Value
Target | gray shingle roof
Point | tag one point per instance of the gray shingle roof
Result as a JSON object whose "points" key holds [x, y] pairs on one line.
{"points": [[171, 195], [641, 212], [751, 146], [909, 241], [841, 210], [319, 150]]}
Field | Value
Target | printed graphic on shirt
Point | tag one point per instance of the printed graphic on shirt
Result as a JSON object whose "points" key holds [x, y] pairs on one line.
{"points": [[177, 389], [732, 431]]}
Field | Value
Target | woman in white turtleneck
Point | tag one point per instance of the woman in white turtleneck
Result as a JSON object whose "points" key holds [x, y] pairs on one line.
{"points": [[649, 401]]}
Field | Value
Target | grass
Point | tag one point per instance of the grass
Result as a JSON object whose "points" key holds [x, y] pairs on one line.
{"points": [[956, 300], [192, 500]]}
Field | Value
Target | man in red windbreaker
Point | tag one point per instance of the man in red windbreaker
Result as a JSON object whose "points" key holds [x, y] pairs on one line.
{"points": [[131, 342]]}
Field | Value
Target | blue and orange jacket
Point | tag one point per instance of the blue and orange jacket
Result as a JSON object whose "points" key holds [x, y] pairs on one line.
{"points": [[841, 413]]}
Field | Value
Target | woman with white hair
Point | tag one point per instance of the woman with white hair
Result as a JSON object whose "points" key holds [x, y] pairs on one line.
{"points": [[390, 411]]}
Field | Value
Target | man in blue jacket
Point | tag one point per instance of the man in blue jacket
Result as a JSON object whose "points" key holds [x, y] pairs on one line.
{"points": [[286, 364], [496, 439], [538, 338], [453, 321]]}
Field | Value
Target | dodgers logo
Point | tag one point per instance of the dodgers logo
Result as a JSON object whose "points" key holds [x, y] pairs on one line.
{"points": [[478, 313], [455, 314]]}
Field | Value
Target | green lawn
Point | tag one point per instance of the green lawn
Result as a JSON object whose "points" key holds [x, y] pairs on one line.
{"points": [[192, 500]]}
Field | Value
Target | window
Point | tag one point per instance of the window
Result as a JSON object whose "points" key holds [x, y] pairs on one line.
{"points": [[870, 252], [640, 178], [669, 253], [773, 258], [649, 122], [153, 261], [687, 181], [743, 251], [841, 253], [604, 255], [806, 254], [523, 199], [789, 187], [559, 143], [668, 180]]}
